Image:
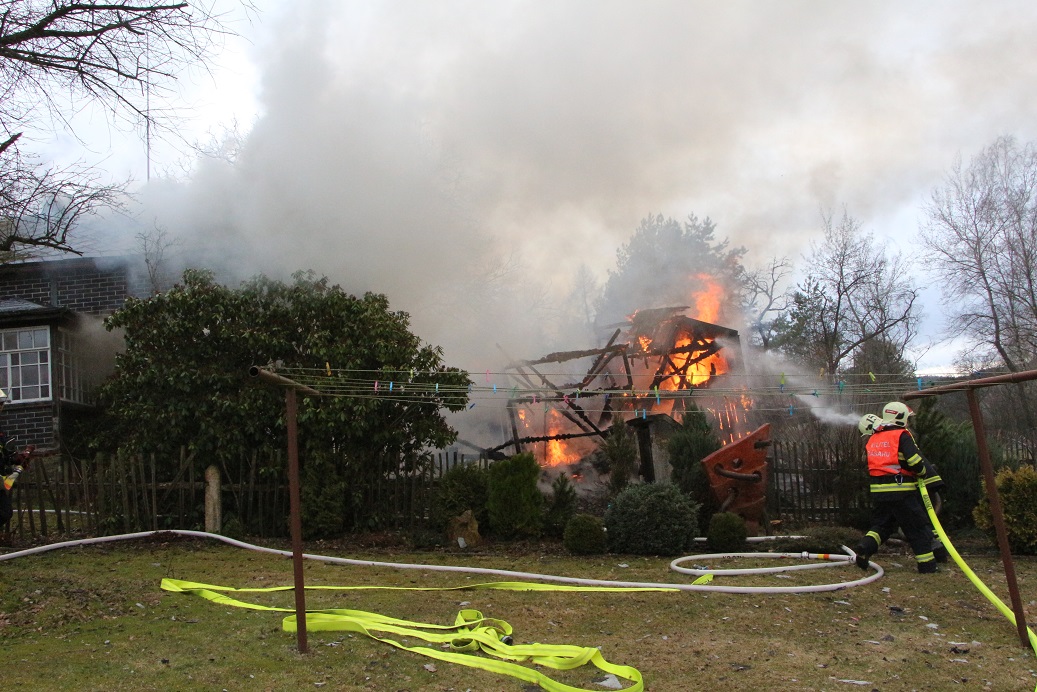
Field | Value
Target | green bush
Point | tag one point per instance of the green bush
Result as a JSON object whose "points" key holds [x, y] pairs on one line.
{"points": [[461, 488], [1018, 492], [514, 503], [585, 535], [321, 498], [727, 532], [693, 442], [651, 519], [620, 452], [561, 508]]}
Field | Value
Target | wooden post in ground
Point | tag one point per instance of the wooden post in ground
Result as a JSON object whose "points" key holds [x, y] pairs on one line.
{"points": [[213, 503]]}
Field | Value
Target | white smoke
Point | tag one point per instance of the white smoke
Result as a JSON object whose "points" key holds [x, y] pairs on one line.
{"points": [[467, 159]]}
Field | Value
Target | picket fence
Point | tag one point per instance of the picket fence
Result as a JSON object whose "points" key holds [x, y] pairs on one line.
{"points": [[59, 496]]}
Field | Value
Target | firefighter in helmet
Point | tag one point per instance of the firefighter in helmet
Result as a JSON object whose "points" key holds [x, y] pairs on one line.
{"points": [[895, 467], [10, 469]]}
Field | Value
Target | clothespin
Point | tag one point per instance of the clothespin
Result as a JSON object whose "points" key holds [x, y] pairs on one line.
{"points": [[919, 383], [390, 386], [872, 376], [815, 392], [327, 367], [842, 384], [657, 401], [792, 410], [376, 385]]}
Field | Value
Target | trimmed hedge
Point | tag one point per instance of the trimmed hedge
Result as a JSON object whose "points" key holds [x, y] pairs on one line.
{"points": [[651, 519]]}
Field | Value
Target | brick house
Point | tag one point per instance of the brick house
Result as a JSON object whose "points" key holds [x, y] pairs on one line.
{"points": [[53, 348]]}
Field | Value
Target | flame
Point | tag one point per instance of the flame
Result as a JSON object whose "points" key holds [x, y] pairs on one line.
{"points": [[558, 452], [708, 299]]}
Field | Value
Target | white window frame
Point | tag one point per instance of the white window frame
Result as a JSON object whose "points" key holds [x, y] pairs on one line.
{"points": [[18, 345], [69, 377]]}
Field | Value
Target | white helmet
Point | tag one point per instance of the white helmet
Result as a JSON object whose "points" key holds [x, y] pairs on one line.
{"points": [[897, 414], [868, 423]]}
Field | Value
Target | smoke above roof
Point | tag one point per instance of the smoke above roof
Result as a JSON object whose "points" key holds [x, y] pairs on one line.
{"points": [[466, 159]]}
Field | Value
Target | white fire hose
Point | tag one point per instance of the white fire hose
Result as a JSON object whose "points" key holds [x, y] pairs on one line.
{"points": [[826, 560]]}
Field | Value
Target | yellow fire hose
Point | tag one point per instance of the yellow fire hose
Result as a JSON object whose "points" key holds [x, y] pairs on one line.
{"points": [[470, 633], [990, 595]]}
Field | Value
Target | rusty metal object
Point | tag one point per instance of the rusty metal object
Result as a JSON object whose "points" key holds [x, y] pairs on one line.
{"points": [[737, 475]]}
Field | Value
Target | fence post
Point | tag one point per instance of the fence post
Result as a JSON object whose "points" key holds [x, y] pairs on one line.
{"points": [[213, 520]]}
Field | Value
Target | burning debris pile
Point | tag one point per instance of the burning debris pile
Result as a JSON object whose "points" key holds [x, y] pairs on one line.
{"points": [[652, 368]]}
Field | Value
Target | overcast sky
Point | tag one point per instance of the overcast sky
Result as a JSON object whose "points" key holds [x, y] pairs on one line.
{"points": [[427, 149]]}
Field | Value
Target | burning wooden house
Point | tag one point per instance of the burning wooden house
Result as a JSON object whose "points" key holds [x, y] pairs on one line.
{"points": [[651, 370]]}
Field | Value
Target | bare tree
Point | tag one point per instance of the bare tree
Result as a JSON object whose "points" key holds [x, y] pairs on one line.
{"points": [[855, 292], [764, 299], [55, 57], [981, 233]]}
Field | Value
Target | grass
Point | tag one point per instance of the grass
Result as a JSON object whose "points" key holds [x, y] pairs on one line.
{"points": [[94, 618]]}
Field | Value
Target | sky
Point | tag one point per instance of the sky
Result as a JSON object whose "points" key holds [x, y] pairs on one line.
{"points": [[468, 158]]}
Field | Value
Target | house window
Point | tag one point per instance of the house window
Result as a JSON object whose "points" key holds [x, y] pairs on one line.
{"points": [[25, 363], [68, 371]]}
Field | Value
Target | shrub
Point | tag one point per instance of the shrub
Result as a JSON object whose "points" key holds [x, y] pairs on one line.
{"points": [[514, 503], [1018, 492], [651, 519], [692, 443], [461, 488], [727, 532], [585, 535], [620, 452], [322, 495], [561, 508]]}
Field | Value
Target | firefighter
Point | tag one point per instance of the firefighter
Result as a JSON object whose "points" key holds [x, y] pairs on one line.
{"points": [[895, 467], [894, 414], [10, 469]]}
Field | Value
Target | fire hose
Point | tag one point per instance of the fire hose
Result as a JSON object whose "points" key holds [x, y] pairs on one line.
{"points": [[471, 631], [980, 586]]}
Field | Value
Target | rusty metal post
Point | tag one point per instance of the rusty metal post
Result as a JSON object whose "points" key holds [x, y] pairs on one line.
{"points": [[296, 519], [998, 516]]}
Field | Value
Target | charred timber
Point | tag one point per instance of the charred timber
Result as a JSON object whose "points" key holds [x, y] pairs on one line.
{"points": [[544, 438]]}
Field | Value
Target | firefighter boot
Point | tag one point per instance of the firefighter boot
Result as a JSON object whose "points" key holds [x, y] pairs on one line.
{"points": [[927, 567], [868, 546]]}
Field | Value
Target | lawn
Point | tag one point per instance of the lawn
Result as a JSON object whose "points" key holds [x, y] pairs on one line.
{"points": [[94, 618]]}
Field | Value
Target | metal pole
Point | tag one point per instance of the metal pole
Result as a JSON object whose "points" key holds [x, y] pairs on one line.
{"points": [[296, 520], [998, 516]]}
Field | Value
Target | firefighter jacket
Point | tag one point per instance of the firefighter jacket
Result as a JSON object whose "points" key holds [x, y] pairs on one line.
{"points": [[894, 462]]}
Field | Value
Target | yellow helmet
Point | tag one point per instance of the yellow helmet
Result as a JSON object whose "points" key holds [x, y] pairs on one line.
{"points": [[897, 413], [868, 423]]}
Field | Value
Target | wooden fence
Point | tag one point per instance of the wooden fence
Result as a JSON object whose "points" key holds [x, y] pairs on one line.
{"points": [[58, 496]]}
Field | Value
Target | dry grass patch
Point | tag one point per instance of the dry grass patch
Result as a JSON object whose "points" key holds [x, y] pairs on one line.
{"points": [[95, 618]]}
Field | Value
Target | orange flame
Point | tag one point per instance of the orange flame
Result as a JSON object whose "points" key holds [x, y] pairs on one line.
{"points": [[708, 299]]}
